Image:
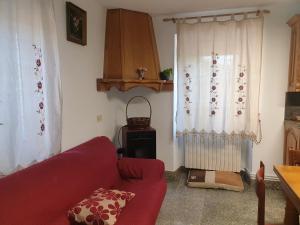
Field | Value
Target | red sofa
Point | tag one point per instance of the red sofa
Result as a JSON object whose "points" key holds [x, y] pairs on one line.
{"points": [[42, 194]]}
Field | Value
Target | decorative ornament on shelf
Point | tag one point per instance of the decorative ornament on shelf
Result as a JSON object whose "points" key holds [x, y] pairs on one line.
{"points": [[141, 72], [166, 74]]}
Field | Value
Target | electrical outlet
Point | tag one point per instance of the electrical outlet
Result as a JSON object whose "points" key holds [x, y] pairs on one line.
{"points": [[99, 118]]}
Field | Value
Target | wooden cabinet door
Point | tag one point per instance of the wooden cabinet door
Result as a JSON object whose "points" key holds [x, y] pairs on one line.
{"points": [[291, 142], [292, 59], [139, 47], [294, 67]]}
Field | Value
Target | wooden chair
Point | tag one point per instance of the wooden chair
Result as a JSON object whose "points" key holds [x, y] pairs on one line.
{"points": [[260, 192], [294, 157]]}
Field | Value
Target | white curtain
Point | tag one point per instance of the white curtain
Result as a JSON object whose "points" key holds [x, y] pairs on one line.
{"points": [[219, 67], [30, 99]]}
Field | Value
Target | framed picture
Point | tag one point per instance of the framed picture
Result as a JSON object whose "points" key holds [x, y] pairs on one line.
{"points": [[76, 24]]}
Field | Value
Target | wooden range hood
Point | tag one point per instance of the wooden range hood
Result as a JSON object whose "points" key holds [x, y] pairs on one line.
{"points": [[130, 44]]}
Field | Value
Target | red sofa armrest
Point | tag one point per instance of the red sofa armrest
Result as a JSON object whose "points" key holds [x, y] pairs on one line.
{"points": [[141, 168]]}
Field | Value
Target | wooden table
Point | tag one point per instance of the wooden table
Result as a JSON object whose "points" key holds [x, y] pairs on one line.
{"points": [[289, 177]]}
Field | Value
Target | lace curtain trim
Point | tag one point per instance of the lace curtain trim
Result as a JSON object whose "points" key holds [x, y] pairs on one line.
{"points": [[228, 136]]}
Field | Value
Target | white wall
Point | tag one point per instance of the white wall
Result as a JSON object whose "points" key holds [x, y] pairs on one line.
{"points": [[162, 102], [161, 120], [80, 66], [274, 81], [276, 47]]}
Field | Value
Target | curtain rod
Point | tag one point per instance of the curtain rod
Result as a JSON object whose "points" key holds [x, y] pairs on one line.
{"points": [[257, 12]]}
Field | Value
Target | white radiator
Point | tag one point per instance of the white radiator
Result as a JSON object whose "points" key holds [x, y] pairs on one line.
{"points": [[213, 152]]}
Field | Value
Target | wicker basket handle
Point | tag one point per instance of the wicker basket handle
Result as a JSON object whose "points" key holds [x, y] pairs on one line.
{"points": [[142, 98]]}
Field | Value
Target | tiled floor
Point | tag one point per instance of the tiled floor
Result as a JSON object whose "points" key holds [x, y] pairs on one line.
{"points": [[195, 206]]}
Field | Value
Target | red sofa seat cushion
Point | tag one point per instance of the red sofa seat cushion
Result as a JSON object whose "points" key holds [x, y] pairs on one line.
{"points": [[145, 178], [144, 208], [46, 190]]}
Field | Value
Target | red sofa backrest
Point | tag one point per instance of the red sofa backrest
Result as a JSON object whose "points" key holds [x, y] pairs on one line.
{"points": [[42, 192]]}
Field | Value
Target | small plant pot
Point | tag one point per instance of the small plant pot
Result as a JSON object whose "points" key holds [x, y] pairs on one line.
{"points": [[164, 76]]}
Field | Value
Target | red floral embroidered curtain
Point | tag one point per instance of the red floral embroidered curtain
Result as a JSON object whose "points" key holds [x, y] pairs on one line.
{"points": [[30, 101], [219, 65]]}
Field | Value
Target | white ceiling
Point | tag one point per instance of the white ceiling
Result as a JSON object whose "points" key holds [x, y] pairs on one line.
{"points": [[182, 6]]}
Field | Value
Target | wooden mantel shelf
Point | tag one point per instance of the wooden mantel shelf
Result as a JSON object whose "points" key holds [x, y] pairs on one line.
{"points": [[125, 85]]}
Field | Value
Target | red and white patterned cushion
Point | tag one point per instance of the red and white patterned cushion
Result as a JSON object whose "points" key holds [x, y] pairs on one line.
{"points": [[103, 207]]}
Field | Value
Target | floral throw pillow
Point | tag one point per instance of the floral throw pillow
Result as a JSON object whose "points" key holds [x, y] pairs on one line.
{"points": [[103, 207]]}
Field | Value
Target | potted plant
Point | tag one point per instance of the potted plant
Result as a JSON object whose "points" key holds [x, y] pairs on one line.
{"points": [[165, 74]]}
